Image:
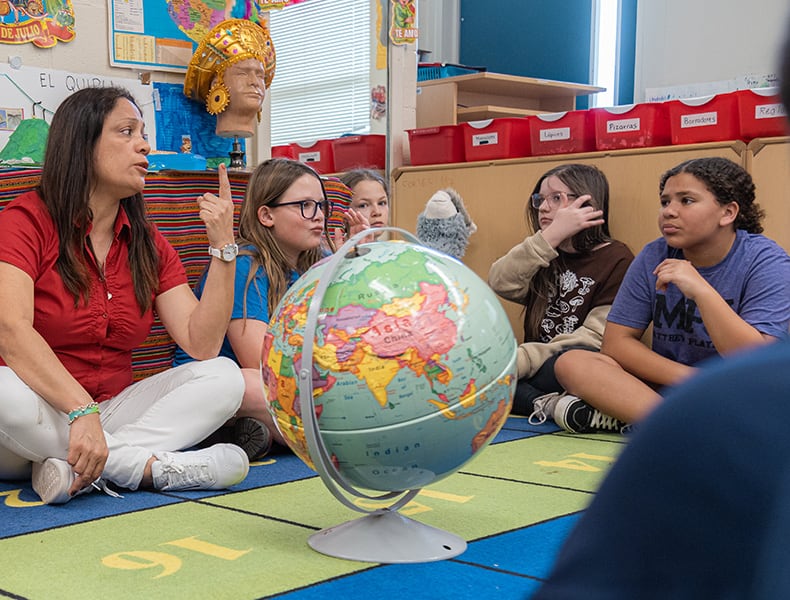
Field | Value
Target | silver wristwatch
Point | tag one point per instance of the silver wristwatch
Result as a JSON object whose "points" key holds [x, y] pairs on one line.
{"points": [[228, 252]]}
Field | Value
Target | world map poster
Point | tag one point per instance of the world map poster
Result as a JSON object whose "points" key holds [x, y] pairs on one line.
{"points": [[162, 34]]}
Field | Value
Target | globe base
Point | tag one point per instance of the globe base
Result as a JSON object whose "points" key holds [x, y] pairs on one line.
{"points": [[387, 537]]}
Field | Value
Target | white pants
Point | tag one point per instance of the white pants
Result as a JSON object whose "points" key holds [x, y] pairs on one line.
{"points": [[169, 411]]}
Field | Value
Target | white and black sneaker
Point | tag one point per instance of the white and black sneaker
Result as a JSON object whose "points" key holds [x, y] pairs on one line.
{"points": [[214, 468], [575, 415], [543, 408]]}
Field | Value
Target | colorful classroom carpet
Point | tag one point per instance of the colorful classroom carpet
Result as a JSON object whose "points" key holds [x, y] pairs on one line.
{"points": [[514, 504]]}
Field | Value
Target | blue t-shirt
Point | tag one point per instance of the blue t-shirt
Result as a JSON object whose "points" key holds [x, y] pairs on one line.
{"points": [[754, 279], [257, 302]]}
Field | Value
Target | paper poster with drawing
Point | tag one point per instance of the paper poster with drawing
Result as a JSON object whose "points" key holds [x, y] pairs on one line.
{"points": [[42, 23], [403, 19]]}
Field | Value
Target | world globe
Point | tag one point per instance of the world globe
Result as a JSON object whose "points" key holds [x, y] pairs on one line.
{"points": [[413, 365]]}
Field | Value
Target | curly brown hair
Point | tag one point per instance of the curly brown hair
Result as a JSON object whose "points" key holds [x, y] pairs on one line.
{"points": [[728, 182]]}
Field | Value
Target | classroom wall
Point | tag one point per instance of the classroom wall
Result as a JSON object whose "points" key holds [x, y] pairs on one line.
{"points": [[88, 53], [677, 42], [681, 42], [540, 38]]}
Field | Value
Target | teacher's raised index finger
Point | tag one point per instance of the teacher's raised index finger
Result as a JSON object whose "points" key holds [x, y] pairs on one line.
{"points": [[224, 184]]}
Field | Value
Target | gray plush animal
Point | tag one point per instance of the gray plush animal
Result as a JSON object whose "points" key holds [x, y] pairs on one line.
{"points": [[444, 224]]}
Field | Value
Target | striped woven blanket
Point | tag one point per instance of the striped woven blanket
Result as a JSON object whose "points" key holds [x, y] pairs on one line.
{"points": [[170, 198]]}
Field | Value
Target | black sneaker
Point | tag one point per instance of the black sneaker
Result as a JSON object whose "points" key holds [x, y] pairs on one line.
{"points": [[249, 434], [575, 415], [252, 436]]}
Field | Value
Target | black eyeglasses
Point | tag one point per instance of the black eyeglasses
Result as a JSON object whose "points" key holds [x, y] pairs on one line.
{"points": [[553, 199], [308, 208]]}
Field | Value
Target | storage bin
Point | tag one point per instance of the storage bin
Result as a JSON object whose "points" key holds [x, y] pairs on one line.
{"points": [[704, 119], [426, 71], [283, 151], [562, 132], [436, 145], [494, 139], [631, 126], [318, 155], [360, 151], [761, 113]]}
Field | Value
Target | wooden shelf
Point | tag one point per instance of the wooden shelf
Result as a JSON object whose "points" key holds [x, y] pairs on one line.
{"points": [[488, 111], [451, 100]]}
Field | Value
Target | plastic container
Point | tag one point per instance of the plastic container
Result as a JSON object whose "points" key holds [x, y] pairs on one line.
{"points": [[761, 113], [704, 119], [360, 151], [159, 161], [436, 145], [284, 151], [494, 139], [318, 155], [631, 126], [426, 71], [562, 132]]}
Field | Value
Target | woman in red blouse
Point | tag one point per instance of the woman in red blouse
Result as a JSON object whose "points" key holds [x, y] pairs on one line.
{"points": [[81, 272]]}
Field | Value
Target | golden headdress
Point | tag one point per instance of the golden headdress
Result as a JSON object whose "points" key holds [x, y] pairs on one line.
{"points": [[227, 43]]}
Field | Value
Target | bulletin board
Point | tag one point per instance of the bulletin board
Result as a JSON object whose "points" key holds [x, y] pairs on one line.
{"points": [[28, 92], [162, 35]]}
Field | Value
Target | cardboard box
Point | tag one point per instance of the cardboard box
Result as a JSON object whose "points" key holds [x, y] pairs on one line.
{"points": [[562, 132], [436, 145], [494, 139], [360, 151], [704, 119], [631, 126]]}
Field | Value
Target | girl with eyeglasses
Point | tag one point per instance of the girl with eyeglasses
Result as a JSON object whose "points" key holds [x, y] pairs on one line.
{"points": [[565, 274], [282, 233]]}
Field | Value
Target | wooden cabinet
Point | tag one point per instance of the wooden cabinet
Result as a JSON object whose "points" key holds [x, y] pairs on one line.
{"points": [[768, 160], [453, 100], [496, 192]]}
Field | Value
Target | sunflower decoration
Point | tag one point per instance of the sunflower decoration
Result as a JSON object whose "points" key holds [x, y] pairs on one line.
{"points": [[227, 43]]}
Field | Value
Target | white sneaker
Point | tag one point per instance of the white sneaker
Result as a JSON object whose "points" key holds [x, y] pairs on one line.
{"points": [[543, 408], [213, 468], [52, 479]]}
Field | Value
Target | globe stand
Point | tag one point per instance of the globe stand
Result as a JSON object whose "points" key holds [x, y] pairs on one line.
{"points": [[387, 537], [383, 535]]}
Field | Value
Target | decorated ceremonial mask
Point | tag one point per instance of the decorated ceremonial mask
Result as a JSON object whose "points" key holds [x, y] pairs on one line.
{"points": [[229, 42]]}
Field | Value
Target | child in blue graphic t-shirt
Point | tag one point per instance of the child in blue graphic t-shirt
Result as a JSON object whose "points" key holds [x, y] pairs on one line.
{"points": [[710, 286]]}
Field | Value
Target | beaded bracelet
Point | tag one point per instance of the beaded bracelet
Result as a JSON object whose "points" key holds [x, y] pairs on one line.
{"points": [[81, 411]]}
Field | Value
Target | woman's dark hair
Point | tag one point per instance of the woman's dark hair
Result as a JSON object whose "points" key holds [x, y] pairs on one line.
{"points": [[580, 179], [728, 182], [69, 176]]}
